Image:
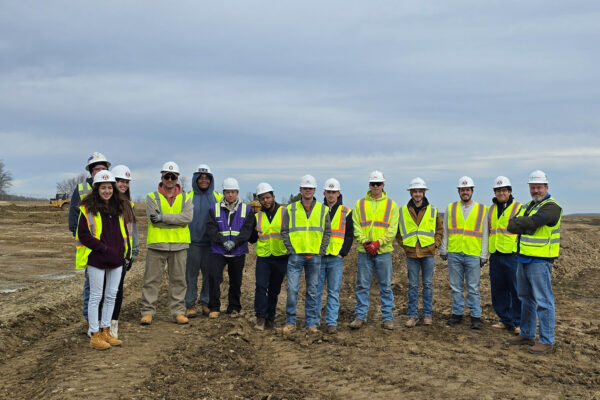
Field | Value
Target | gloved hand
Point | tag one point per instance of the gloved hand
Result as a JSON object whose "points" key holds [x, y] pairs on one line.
{"points": [[374, 247], [482, 261], [128, 264], [135, 252], [444, 257], [229, 245], [156, 218]]}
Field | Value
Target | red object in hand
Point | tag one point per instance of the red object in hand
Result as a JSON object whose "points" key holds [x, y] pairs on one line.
{"points": [[375, 247]]}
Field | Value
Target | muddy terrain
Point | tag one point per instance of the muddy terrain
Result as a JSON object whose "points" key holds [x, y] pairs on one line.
{"points": [[44, 352]]}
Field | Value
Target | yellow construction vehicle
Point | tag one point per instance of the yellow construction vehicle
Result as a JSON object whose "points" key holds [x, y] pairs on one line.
{"points": [[61, 201]]}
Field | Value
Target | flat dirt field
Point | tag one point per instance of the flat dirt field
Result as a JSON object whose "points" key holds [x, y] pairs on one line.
{"points": [[44, 352]]}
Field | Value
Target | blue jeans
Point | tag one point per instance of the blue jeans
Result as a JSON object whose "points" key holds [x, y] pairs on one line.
{"points": [[534, 282], [270, 272], [413, 266], [381, 264], [503, 285], [198, 259], [296, 264], [464, 269], [331, 272]]}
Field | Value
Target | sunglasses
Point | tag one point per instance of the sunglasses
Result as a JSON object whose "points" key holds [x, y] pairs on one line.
{"points": [[376, 184], [171, 177]]}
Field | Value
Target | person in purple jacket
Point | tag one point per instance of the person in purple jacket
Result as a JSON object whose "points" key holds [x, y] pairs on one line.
{"points": [[229, 227]]}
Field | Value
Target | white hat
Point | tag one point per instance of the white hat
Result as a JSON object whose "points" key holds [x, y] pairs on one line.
{"points": [[538, 176], [170, 166], [376, 176], [104, 176], [465, 182], [204, 169], [308, 181], [96, 158], [501, 182], [263, 187], [121, 172], [231, 184], [417, 183], [332, 184]]}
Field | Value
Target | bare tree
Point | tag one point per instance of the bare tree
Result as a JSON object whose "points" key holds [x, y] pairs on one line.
{"points": [[5, 178], [183, 182], [68, 185]]}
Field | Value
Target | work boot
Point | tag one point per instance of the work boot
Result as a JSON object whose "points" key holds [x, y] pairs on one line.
{"points": [[475, 323], [205, 309], [97, 341], [427, 320], [454, 319], [312, 329], [233, 313], [289, 329], [520, 340], [260, 324], [146, 319], [388, 324], [105, 332], [114, 328], [500, 326], [214, 314], [181, 319], [270, 324], [191, 312], [540, 348], [357, 323], [331, 329], [410, 322]]}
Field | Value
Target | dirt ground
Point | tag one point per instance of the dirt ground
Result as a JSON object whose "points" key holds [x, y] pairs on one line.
{"points": [[44, 352]]}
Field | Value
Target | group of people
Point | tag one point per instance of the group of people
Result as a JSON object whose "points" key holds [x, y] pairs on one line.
{"points": [[203, 231]]}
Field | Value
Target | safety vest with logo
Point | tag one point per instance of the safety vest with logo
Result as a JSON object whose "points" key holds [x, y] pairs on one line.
{"points": [[374, 224], [94, 222], [424, 233], [465, 236], [338, 230], [170, 234], [269, 241], [230, 228], [545, 241], [84, 190], [501, 239], [306, 234]]}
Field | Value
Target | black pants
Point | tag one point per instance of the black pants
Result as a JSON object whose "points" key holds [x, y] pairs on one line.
{"points": [[235, 268], [119, 299]]}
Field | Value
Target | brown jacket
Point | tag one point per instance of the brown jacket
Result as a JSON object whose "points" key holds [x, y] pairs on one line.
{"points": [[418, 251]]}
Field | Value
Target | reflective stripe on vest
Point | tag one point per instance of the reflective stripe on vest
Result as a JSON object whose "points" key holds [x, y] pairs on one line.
{"points": [[84, 190], [424, 233], [465, 236], [306, 234], [229, 232], [169, 233], [269, 241], [545, 242], [500, 238], [338, 230]]}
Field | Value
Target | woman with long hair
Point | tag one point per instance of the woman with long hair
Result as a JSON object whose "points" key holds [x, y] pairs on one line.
{"points": [[123, 177], [102, 247]]}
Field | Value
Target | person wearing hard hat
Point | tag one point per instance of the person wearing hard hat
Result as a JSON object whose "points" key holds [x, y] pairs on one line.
{"points": [[271, 256], [204, 196], [305, 230], [332, 264], [229, 227], [503, 257], [169, 212], [122, 176], [103, 247], [375, 218], [465, 247], [537, 225], [420, 233], [96, 162]]}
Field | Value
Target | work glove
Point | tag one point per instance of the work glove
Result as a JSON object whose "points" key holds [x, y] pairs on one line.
{"points": [[367, 245], [229, 245], [444, 257], [482, 261], [135, 252], [128, 264], [374, 247], [155, 218]]}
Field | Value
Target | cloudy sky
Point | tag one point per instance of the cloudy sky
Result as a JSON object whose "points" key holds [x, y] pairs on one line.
{"points": [[269, 91]]}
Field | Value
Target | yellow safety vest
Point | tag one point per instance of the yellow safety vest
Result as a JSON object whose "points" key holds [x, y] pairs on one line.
{"points": [[94, 222], [375, 224], [174, 234], [424, 233], [501, 239], [465, 236], [218, 196], [84, 190], [269, 241], [545, 242], [338, 230], [306, 234]]}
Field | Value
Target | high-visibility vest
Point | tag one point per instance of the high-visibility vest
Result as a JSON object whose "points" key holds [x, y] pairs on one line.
{"points": [[84, 190], [465, 236], [306, 234], [172, 234], [129, 226], [269, 241], [218, 196], [374, 225], [500, 238], [94, 222], [545, 242], [424, 233], [338, 230]]}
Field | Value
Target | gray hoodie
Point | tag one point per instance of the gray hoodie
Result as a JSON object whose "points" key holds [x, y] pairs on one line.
{"points": [[202, 202]]}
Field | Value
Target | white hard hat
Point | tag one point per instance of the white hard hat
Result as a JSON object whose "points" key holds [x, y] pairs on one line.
{"points": [[538, 176], [465, 182], [231, 184], [104, 176], [96, 158], [332, 184], [263, 187], [308, 181], [121, 172], [376, 176], [417, 183], [501, 182], [204, 169], [170, 166]]}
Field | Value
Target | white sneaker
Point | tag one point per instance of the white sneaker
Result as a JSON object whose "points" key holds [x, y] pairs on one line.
{"points": [[89, 333], [114, 328]]}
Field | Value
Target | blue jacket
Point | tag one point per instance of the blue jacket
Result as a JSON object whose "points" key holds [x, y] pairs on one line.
{"points": [[202, 202], [74, 208]]}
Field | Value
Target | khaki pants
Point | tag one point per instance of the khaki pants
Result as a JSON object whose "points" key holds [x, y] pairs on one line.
{"points": [[155, 265]]}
